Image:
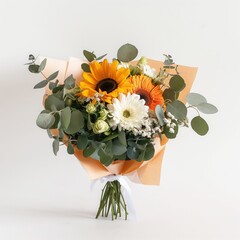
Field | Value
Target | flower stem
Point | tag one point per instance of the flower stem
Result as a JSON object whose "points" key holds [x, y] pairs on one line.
{"points": [[112, 199]]}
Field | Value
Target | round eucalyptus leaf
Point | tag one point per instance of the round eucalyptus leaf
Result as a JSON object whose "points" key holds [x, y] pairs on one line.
{"points": [[69, 82], [207, 108], [195, 99], [177, 109], [82, 142], [169, 94], [132, 153], [149, 152], [76, 122], [118, 148], [177, 83], [33, 68], [45, 120], [70, 148], [199, 125], [127, 53], [54, 101], [66, 117]]}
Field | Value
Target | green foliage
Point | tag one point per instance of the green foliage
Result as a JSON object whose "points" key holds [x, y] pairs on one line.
{"points": [[177, 83], [89, 150], [195, 99], [118, 148], [168, 134], [45, 120], [55, 146], [82, 142], [90, 56], [85, 67], [199, 125], [169, 94], [177, 109], [76, 122], [69, 82], [207, 108], [65, 117], [54, 101], [42, 65], [70, 148], [34, 68], [41, 84], [127, 53], [147, 153], [160, 114], [52, 76]]}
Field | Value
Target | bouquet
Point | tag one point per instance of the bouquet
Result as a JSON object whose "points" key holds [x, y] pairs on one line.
{"points": [[117, 116]]}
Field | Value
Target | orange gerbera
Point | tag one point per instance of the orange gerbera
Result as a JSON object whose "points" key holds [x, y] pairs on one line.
{"points": [[106, 79], [150, 93]]}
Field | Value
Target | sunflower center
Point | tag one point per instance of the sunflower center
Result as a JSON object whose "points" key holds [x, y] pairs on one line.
{"points": [[144, 95], [126, 113], [107, 85]]}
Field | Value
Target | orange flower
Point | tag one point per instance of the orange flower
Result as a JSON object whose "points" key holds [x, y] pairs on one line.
{"points": [[106, 79], [151, 94]]}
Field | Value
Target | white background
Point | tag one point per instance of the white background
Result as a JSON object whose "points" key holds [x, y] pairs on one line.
{"points": [[48, 197]]}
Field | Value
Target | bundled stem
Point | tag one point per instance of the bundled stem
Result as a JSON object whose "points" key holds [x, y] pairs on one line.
{"points": [[112, 200]]}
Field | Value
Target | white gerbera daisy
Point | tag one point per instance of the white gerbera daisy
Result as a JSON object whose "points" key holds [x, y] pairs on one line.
{"points": [[128, 111]]}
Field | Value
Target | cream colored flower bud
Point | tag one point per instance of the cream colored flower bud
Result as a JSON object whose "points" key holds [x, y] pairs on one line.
{"points": [[100, 126], [90, 108], [142, 61], [103, 114]]}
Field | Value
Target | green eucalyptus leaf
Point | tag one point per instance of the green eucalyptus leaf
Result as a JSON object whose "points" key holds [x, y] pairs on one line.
{"points": [[56, 122], [66, 117], [82, 142], [76, 122], [85, 67], [54, 101], [110, 137], [105, 159], [170, 135], [45, 120], [57, 88], [55, 146], [69, 82], [127, 53], [207, 108], [169, 94], [122, 138], [89, 55], [42, 65], [118, 148], [89, 150], [133, 153], [149, 152], [177, 109], [101, 57], [160, 114], [70, 148], [177, 83], [195, 99], [41, 84], [199, 125], [33, 68], [53, 76]]}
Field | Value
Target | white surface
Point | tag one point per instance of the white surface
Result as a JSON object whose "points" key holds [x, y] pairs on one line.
{"points": [[47, 197]]}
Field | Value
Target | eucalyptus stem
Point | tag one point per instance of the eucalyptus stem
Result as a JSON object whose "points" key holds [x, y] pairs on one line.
{"points": [[112, 200]]}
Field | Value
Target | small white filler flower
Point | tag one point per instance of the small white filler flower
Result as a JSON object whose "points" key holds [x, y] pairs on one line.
{"points": [[128, 111]]}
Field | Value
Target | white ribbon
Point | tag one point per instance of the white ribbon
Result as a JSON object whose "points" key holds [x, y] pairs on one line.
{"points": [[126, 191]]}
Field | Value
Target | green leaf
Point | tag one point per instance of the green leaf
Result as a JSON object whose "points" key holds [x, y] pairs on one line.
{"points": [[41, 84], [177, 83], [207, 108], [149, 152], [57, 119], [118, 148], [122, 138], [42, 65], [55, 146], [53, 76], [127, 53], [82, 142], [85, 67], [76, 122], [54, 101], [177, 109], [66, 117], [133, 153], [69, 82], [45, 120], [195, 99], [110, 137], [160, 114], [169, 94], [89, 150], [89, 55], [70, 148], [33, 68], [57, 88], [199, 125], [101, 57], [105, 159]]}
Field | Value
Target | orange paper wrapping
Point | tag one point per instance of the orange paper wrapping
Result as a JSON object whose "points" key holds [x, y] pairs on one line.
{"points": [[147, 172]]}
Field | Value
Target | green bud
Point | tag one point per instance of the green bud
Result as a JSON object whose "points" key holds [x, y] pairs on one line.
{"points": [[142, 61], [103, 114], [90, 108], [100, 126]]}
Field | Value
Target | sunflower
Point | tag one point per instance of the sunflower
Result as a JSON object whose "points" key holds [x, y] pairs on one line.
{"points": [[151, 94], [106, 79]]}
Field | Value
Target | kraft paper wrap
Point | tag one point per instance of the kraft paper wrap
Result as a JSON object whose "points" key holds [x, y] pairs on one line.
{"points": [[147, 172]]}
